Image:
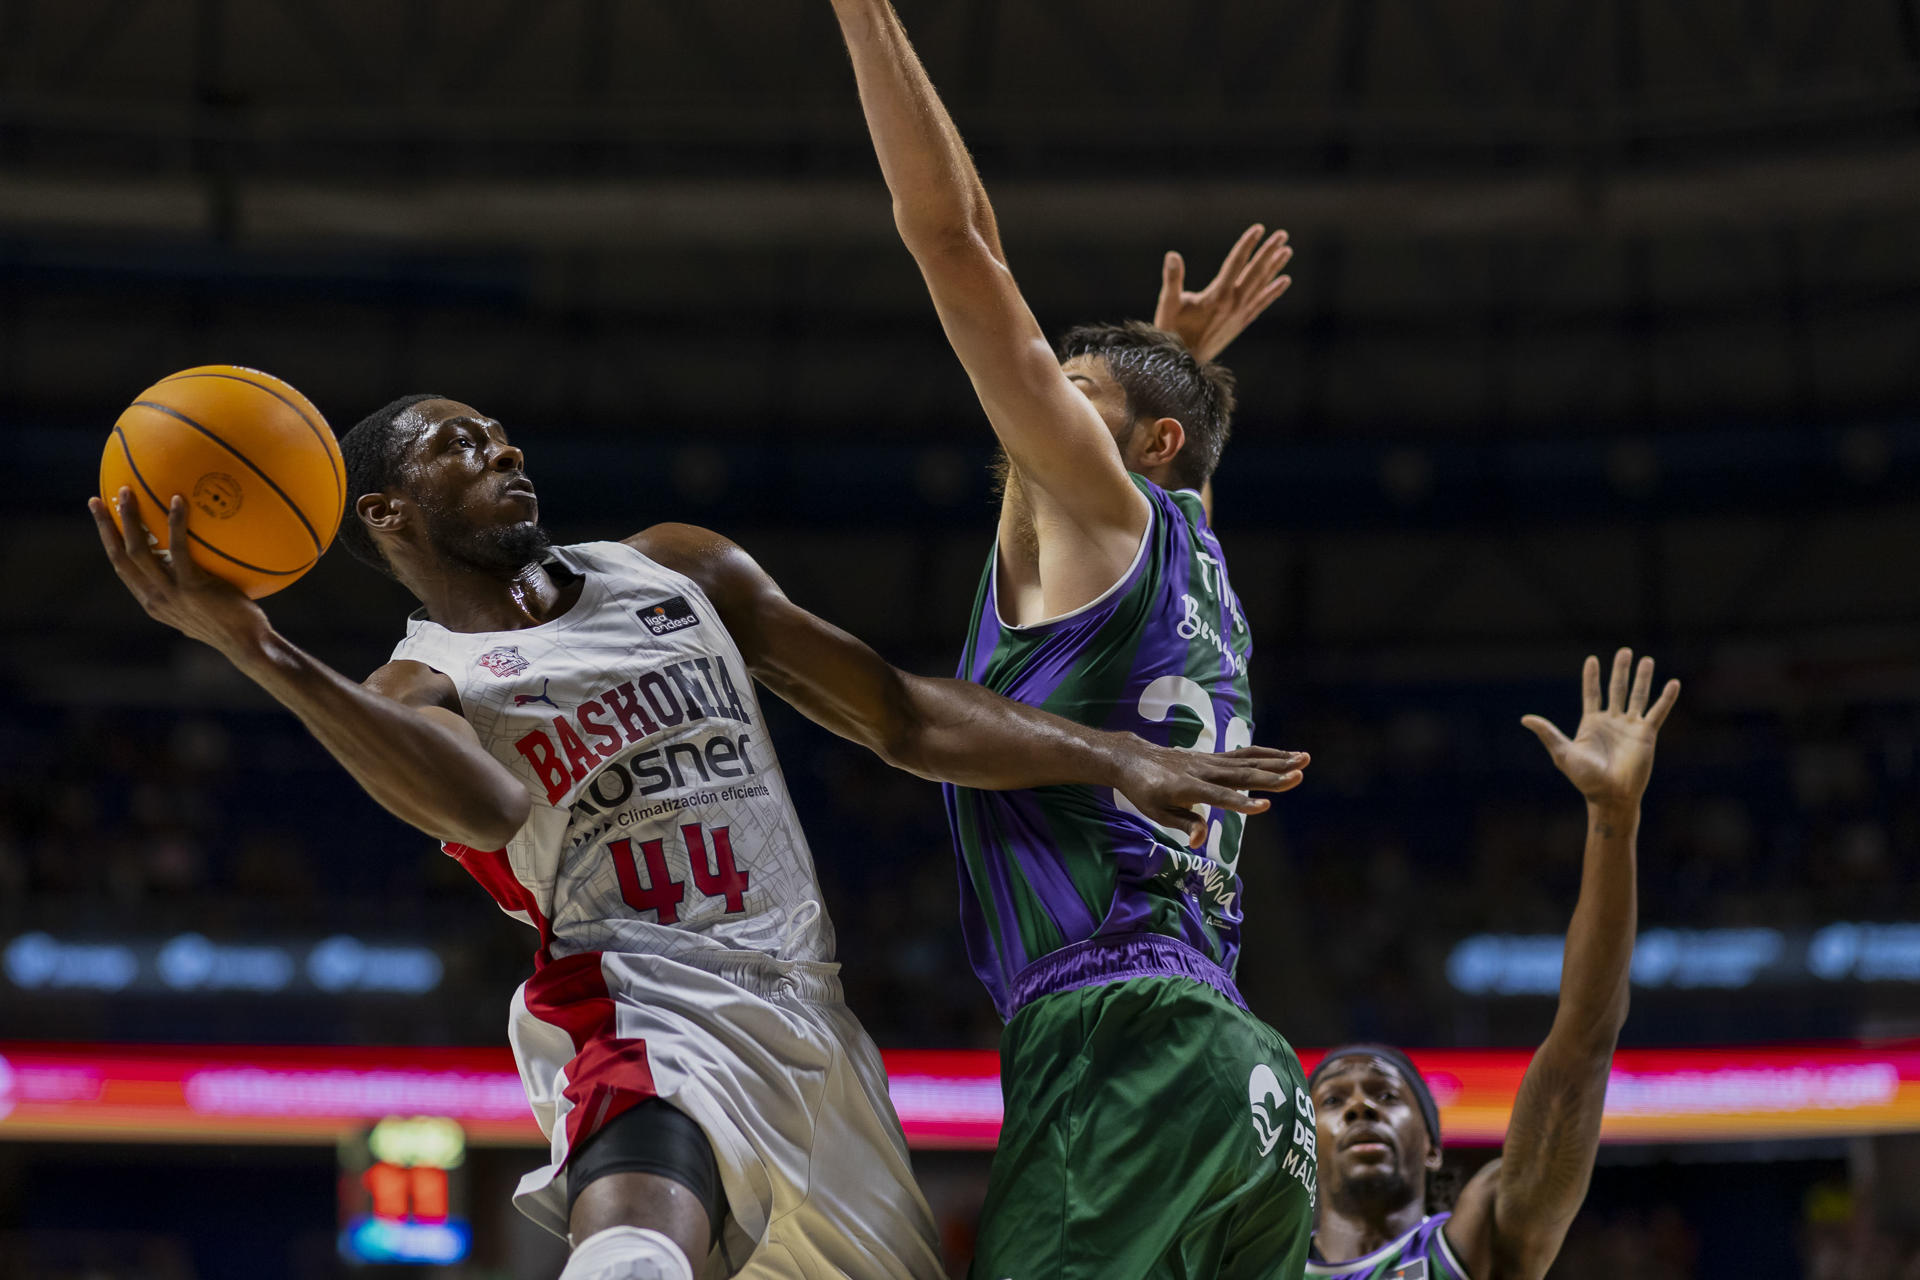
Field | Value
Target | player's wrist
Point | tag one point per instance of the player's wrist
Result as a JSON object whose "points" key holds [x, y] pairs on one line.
{"points": [[1613, 816], [252, 645]]}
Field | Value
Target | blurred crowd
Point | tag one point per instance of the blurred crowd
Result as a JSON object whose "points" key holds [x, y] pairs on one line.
{"points": [[1428, 815]]}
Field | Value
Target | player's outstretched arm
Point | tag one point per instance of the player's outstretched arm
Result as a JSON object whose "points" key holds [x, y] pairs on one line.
{"points": [[401, 735], [1248, 282], [1511, 1218], [950, 730], [1064, 454]]}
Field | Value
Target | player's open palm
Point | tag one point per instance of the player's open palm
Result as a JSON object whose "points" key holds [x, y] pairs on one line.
{"points": [[1248, 282], [1610, 757]]}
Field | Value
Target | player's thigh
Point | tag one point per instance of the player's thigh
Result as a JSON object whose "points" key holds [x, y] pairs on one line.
{"points": [[1137, 1146], [1100, 1163], [863, 1214]]}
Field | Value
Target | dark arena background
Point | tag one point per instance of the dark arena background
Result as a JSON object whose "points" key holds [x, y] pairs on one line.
{"points": [[1605, 330]]}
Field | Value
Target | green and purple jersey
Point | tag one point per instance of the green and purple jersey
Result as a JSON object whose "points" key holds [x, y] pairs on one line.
{"points": [[1421, 1254], [1071, 885]]}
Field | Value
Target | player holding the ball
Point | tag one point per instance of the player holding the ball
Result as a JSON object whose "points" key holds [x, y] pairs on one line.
{"points": [[578, 726], [250, 454]]}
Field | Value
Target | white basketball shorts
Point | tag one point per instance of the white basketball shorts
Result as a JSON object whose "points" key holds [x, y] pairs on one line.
{"points": [[765, 1056]]}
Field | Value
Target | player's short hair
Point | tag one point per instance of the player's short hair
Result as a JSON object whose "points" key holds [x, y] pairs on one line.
{"points": [[374, 451], [1162, 379]]}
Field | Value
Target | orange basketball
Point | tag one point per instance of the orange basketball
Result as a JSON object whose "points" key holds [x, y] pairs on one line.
{"points": [[257, 464]]}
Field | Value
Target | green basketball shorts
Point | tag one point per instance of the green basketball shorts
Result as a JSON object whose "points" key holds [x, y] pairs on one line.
{"points": [[1154, 1128]]}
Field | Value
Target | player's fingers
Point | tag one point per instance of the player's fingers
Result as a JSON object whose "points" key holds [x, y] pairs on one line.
{"points": [[1175, 818], [1173, 274], [1549, 734], [1657, 714], [1259, 778], [1238, 255], [108, 530], [133, 539], [1199, 793], [1642, 687], [1590, 685], [1617, 688], [1267, 263], [123, 568], [1292, 759], [1269, 295], [183, 565]]}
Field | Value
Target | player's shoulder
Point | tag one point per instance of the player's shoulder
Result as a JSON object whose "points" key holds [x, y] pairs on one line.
{"points": [[675, 542], [717, 564]]}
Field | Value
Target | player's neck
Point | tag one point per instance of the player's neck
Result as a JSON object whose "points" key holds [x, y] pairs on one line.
{"points": [[469, 600], [1343, 1235]]}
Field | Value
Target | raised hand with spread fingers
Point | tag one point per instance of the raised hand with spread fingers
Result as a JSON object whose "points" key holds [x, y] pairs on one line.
{"points": [[1610, 756], [1247, 283]]}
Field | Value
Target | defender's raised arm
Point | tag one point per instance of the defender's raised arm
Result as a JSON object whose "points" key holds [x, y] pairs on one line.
{"points": [[1513, 1215], [1062, 452]]}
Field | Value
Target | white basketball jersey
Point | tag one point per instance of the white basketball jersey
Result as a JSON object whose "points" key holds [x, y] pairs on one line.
{"points": [[661, 821]]}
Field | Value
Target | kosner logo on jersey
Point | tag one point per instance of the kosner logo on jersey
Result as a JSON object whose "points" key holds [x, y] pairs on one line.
{"points": [[633, 711]]}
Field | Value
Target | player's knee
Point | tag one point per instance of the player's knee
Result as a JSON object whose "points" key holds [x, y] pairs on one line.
{"points": [[628, 1253]]}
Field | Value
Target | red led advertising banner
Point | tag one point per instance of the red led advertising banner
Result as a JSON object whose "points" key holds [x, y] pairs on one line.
{"points": [[946, 1099]]}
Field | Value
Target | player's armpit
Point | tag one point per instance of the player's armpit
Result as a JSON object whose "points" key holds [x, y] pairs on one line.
{"points": [[415, 684], [431, 693], [1469, 1228]]}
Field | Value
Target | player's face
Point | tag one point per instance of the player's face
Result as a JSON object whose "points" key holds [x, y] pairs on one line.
{"points": [[478, 507], [1372, 1140], [1089, 374]]}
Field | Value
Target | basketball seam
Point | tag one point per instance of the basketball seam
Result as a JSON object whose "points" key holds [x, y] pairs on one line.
{"points": [[135, 468], [339, 476], [298, 514]]}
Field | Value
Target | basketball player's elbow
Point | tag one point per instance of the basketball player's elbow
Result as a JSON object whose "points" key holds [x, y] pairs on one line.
{"points": [[947, 238], [903, 733]]}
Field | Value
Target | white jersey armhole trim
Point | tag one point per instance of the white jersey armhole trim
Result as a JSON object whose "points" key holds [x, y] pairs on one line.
{"points": [[1352, 1264], [1139, 554]]}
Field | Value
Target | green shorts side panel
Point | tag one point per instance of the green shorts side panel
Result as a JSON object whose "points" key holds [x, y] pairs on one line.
{"points": [[1150, 1132]]}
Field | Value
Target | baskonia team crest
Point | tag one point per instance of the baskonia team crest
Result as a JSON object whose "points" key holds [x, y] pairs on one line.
{"points": [[504, 661]]}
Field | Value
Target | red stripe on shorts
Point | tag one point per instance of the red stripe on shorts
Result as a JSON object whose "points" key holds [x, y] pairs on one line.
{"points": [[607, 1075]]}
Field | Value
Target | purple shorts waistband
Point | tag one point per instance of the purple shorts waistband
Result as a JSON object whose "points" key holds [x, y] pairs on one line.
{"points": [[1098, 961]]}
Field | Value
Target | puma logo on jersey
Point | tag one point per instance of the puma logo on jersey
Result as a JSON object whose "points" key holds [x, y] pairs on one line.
{"points": [[670, 615], [528, 699]]}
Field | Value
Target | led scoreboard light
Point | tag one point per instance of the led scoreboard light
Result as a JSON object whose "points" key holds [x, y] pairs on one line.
{"points": [[400, 1193], [946, 1099]]}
